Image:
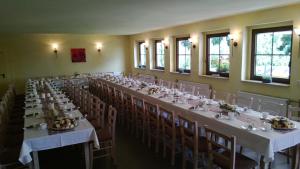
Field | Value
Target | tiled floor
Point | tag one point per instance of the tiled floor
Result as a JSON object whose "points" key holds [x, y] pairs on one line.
{"points": [[131, 154]]}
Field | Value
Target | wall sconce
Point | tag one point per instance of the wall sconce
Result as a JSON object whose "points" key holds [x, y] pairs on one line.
{"points": [[55, 48], [146, 44], [98, 47], [193, 41], [165, 43], [233, 37], [297, 31]]}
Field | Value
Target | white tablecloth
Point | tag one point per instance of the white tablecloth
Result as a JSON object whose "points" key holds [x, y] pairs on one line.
{"points": [[37, 139], [264, 143]]}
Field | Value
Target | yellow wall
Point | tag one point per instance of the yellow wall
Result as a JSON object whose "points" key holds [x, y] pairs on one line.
{"points": [[238, 68], [31, 55]]}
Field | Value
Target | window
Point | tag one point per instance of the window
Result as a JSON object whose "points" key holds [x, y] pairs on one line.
{"points": [[159, 55], [183, 55], [271, 54], [142, 54], [218, 54]]}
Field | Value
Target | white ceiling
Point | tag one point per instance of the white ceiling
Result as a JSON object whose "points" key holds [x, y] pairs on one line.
{"points": [[116, 17]]}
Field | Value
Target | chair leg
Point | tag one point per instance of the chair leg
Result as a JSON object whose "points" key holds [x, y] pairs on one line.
{"points": [[241, 149], [149, 139], [195, 160], [173, 154], [143, 132], [91, 155], [164, 148], [183, 159], [156, 143]]}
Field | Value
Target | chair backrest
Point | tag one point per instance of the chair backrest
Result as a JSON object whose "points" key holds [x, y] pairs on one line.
{"points": [[118, 95], [97, 111], [152, 114], [222, 95], [294, 113], [148, 78], [77, 95], [84, 101], [112, 116], [276, 104], [138, 106], [105, 92], [218, 143], [167, 122], [202, 89], [189, 133], [165, 83], [127, 103], [187, 88], [274, 108], [111, 95]]}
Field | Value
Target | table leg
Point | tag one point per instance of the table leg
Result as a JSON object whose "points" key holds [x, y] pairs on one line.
{"points": [[263, 164], [31, 165], [87, 155], [296, 156], [36, 162]]}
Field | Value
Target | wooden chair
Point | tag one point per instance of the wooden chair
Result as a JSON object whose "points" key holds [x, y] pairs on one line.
{"points": [[106, 137], [84, 101], [99, 90], [221, 95], [77, 96], [191, 142], [105, 93], [274, 108], [96, 114], [139, 117], [153, 124], [168, 132], [187, 88], [294, 113], [165, 83], [119, 105], [128, 110], [222, 152], [111, 96]]}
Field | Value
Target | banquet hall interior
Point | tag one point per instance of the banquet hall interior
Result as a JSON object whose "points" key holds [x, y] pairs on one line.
{"points": [[134, 84]]}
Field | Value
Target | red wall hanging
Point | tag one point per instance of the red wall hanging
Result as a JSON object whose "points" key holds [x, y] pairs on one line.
{"points": [[78, 55]]}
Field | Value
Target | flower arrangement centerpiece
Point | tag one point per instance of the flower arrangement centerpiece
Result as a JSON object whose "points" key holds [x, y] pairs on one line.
{"points": [[225, 108]]}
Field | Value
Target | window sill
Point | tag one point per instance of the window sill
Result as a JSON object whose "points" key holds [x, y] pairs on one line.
{"points": [[180, 73], [139, 68], [215, 77], [268, 84], [158, 70]]}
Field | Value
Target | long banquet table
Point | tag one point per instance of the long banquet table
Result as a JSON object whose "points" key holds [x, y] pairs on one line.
{"points": [[37, 139], [264, 143]]}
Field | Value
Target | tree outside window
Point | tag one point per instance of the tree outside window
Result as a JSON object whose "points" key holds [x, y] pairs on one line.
{"points": [[159, 59], [142, 54], [218, 54], [271, 53], [183, 55]]}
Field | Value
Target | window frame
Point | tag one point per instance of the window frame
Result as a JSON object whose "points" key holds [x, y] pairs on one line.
{"points": [[208, 36], [155, 54], [253, 52], [177, 54], [140, 55]]}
